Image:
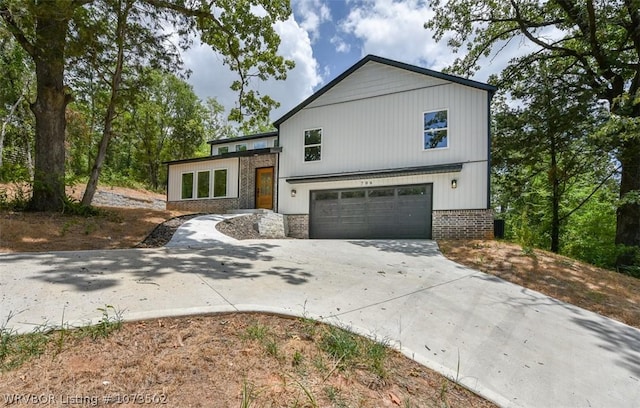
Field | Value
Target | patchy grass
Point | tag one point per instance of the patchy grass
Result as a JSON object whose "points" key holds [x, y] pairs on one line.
{"points": [[600, 290], [228, 361]]}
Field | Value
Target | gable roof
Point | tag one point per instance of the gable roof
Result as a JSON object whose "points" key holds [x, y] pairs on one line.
{"points": [[418, 70]]}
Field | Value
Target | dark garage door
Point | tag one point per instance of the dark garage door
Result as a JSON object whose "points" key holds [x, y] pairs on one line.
{"points": [[376, 212]]}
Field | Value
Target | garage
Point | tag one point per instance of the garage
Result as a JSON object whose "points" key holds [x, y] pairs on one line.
{"points": [[374, 212]]}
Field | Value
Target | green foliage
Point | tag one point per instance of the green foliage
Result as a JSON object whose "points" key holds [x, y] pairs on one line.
{"points": [[349, 349], [110, 322], [593, 56], [80, 45]]}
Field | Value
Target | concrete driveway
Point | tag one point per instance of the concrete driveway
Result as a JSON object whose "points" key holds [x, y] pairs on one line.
{"points": [[514, 346]]}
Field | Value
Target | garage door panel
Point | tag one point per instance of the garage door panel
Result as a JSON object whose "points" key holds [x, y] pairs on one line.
{"points": [[380, 212]]}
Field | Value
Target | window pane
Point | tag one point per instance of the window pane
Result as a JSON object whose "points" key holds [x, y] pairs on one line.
{"points": [[326, 195], [220, 183], [405, 191], [312, 137], [312, 153], [203, 184], [387, 192], [435, 120], [187, 185], [241, 148], [260, 145], [223, 149], [353, 194], [435, 139]]}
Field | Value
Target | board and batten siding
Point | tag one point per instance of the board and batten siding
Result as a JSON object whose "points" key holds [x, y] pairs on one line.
{"points": [[469, 194], [176, 171], [373, 120], [386, 132], [375, 79]]}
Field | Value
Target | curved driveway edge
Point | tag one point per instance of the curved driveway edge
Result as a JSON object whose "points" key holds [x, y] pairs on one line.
{"points": [[514, 346]]}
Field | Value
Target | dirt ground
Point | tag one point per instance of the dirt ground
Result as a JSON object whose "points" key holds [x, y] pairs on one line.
{"points": [[232, 360], [258, 360], [602, 291]]}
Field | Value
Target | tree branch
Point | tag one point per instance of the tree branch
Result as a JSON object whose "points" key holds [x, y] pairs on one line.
{"points": [[595, 190], [13, 28]]}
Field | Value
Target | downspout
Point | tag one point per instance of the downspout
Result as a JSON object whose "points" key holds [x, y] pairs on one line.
{"points": [[167, 192], [277, 175], [489, 98]]}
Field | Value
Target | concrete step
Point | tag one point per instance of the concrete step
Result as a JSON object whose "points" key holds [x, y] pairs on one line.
{"points": [[250, 211]]}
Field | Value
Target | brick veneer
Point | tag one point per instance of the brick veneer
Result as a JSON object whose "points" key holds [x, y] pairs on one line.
{"points": [[215, 206], [298, 225], [247, 188], [462, 224]]}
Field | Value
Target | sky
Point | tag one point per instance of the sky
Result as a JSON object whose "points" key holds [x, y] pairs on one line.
{"points": [[325, 38]]}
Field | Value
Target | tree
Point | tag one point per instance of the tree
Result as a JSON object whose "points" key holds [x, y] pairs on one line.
{"points": [[241, 31], [543, 147], [168, 121], [598, 43]]}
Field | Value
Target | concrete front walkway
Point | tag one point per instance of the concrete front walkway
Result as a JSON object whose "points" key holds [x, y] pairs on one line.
{"points": [[514, 346]]}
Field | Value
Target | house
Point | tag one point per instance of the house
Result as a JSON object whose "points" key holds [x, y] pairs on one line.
{"points": [[385, 150]]}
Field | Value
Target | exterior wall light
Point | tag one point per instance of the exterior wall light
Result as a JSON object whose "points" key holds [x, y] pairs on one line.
{"points": [[293, 193], [454, 183]]}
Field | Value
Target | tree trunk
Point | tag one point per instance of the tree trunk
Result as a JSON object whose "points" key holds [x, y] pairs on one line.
{"points": [[628, 213], [49, 110], [555, 198], [116, 81]]}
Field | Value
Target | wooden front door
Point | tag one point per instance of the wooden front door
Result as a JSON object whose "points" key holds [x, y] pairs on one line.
{"points": [[264, 188]]}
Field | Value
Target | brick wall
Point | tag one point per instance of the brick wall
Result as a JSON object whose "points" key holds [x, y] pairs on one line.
{"points": [[247, 188], [298, 225], [462, 224], [213, 206]]}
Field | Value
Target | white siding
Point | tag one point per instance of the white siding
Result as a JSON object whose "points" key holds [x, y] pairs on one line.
{"points": [[387, 132], [250, 144], [176, 171], [374, 79], [373, 120], [470, 193]]}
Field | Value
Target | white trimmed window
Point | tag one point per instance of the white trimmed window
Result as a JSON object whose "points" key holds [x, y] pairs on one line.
{"points": [[203, 184], [312, 145], [436, 130], [241, 147], [199, 184], [262, 144], [220, 183], [187, 186], [223, 149]]}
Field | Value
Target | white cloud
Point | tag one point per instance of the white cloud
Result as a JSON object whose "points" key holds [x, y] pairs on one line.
{"points": [[340, 44], [211, 78], [395, 29], [312, 13]]}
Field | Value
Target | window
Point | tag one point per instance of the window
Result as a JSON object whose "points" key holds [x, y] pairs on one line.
{"points": [[241, 147], [203, 184], [326, 195], [435, 130], [260, 145], [220, 183], [187, 186], [223, 149], [312, 145]]}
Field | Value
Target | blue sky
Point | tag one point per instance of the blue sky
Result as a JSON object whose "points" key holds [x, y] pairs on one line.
{"points": [[326, 37]]}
